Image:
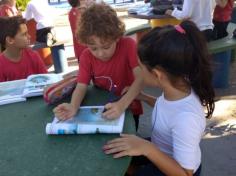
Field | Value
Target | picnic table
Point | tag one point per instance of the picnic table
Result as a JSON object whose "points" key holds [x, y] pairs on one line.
{"points": [[26, 150]]}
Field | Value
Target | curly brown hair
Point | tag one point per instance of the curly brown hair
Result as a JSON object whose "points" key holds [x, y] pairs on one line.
{"points": [[102, 21]]}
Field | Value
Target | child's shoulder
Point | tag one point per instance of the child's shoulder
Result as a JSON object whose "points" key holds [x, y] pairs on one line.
{"points": [[30, 54], [127, 40], [86, 54], [29, 51], [4, 8], [126, 43], [73, 11], [1, 56]]}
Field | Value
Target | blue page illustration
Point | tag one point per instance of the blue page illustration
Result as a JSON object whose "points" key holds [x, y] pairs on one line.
{"points": [[89, 119]]}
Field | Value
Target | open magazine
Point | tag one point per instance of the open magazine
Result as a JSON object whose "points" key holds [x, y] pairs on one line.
{"points": [[88, 120], [12, 91], [35, 84], [18, 90]]}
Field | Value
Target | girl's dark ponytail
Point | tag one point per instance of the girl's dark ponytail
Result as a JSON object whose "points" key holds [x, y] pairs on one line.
{"points": [[182, 52], [200, 75]]}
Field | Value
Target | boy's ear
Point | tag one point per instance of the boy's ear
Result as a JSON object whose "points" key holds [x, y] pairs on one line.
{"points": [[9, 40]]}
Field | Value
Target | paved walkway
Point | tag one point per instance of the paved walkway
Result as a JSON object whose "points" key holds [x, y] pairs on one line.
{"points": [[219, 142]]}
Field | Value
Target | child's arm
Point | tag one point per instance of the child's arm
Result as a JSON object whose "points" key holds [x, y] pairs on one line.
{"points": [[222, 3], [68, 110], [115, 109], [71, 74], [131, 145], [149, 99], [142, 96], [183, 14]]}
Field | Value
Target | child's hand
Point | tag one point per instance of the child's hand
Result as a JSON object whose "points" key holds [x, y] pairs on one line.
{"points": [[64, 111], [127, 145], [113, 110]]}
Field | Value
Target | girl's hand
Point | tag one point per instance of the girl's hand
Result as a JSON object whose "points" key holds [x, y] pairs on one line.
{"points": [[113, 110], [64, 111], [127, 145]]}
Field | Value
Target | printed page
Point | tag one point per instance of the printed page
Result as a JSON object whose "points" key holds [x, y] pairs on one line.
{"points": [[36, 83], [88, 120], [12, 91]]}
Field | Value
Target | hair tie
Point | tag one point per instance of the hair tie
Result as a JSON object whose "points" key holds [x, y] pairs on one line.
{"points": [[180, 29]]}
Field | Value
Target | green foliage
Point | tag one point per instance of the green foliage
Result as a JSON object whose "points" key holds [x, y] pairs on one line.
{"points": [[21, 4]]}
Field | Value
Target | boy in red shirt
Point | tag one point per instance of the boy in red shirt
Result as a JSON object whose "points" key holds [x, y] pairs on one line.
{"points": [[110, 61], [8, 8], [74, 16], [222, 17], [17, 61]]}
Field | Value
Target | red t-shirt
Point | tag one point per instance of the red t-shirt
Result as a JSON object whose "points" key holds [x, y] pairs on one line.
{"points": [[30, 63], [117, 71], [8, 11], [223, 14], [74, 16]]}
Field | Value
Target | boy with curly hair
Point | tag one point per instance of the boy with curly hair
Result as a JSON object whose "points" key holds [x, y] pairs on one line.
{"points": [[110, 61]]}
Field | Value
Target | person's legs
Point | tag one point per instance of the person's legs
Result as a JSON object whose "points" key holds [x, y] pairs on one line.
{"points": [[208, 34], [220, 29], [136, 163], [46, 35], [141, 165], [41, 34], [149, 170]]}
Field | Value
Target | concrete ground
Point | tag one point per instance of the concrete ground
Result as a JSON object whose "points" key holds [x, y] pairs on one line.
{"points": [[219, 142]]}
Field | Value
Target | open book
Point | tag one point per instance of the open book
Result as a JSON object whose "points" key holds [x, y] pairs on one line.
{"points": [[12, 91], [18, 90], [35, 84], [88, 120]]}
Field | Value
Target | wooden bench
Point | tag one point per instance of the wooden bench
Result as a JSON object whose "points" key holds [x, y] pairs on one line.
{"points": [[58, 54]]}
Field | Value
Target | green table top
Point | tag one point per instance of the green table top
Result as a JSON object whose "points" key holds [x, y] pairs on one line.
{"points": [[26, 150]]}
